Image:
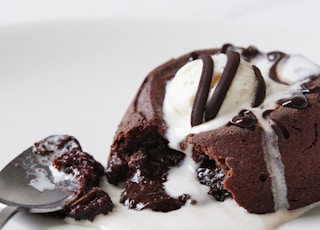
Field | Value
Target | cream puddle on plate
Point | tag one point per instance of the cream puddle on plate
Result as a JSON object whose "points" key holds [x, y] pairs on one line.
{"points": [[207, 216]]}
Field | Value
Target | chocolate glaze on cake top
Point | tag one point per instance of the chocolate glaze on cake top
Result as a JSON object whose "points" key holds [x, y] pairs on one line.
{"points": [[243, 118]]}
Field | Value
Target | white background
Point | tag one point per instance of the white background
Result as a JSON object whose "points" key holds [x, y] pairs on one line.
{"points": [[245, 11]]}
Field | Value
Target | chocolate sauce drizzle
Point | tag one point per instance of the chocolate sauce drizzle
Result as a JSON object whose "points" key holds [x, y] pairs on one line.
{"points": [[298, 101], [261, 88], [199, 105], [245, 119], [205, 109], [249, 53], [193, 56], [275, 56], [214, 104], [226, 48], [310, 89]]}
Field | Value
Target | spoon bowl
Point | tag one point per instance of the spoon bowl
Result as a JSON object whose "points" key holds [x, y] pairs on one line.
{"points": [[31, 183]]}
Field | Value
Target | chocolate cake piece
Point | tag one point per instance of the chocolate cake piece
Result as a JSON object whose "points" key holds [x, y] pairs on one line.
{"points": [[252, 128], [298, 131], [147, 171], [88, 206], [239, 153], [86, 172], [142, 129]]}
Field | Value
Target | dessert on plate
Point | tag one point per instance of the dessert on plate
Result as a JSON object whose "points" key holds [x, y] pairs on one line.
{"points": [[241, 123], [234, 127]]}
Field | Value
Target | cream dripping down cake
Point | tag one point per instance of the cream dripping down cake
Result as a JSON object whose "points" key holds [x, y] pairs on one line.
{"points": [[241, 123]]}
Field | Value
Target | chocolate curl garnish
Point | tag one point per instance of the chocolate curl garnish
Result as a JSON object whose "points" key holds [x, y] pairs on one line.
{"points": [[261, 88], [275, 56], [202, 93], [214, 104]]}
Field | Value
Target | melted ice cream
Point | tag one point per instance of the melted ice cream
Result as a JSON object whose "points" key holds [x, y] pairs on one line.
{"points": [[208, 215]]}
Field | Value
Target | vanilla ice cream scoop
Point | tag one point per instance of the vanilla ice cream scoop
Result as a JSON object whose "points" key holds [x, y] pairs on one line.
{"points": [[239, 84], [212, 89], [231, 87]]}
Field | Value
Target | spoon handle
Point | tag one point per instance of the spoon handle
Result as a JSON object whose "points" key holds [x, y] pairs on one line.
{"points": [[6, 213]]}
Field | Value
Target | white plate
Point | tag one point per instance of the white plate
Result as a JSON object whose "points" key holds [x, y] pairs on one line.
{"points": [[78, 77]]}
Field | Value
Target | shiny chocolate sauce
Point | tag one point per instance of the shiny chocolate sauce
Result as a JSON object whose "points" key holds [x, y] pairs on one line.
{"points": [[215, 102], [226, 48], [249, 53], [205, 109], [202, 107], [276, 57], [310, 88], [298, 101], [199, 105], [245, 119], [261, 88], [193, 56]]}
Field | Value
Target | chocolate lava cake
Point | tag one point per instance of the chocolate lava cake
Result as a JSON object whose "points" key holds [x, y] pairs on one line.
{"points": [[251, 125], [86, 172]]}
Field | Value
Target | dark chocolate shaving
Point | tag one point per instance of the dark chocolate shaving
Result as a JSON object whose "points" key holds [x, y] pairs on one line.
{"points": [[214, 104], [261, 88], [202, 93], [275, 56]]}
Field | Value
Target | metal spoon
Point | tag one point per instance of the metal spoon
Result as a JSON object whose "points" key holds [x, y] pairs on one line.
{"points": [[27, 183]]}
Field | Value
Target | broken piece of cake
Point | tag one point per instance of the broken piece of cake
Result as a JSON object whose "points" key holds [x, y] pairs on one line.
{"points": [[242, 122], [84, 173]]}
